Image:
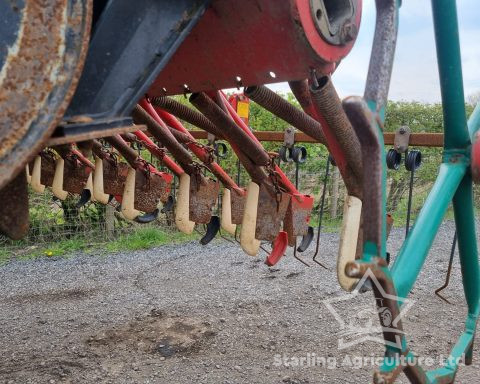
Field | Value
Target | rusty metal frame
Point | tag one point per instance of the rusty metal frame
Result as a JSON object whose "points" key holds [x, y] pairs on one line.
{"points": [[431, 140], [44, 60]]}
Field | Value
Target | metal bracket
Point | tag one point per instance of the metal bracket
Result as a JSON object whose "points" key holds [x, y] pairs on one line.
{"points": [[402, 138], [289, 137]]}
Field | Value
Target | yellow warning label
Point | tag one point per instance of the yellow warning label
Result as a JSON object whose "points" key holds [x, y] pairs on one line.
{"points": [[242, 109]]}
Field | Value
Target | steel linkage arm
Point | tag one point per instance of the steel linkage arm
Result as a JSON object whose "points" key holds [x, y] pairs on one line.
{"points": [[199, 150]]}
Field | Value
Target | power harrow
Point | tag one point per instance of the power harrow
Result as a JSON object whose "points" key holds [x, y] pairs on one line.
{"points": [[84, 83]]}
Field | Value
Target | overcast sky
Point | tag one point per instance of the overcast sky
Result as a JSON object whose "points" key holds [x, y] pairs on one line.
{"points": [[415, 73]]}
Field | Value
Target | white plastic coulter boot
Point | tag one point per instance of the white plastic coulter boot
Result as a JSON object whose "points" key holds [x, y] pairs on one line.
{"points": [[98, 190], [348, 240], [27, 172], [89, 186], [182, 210], [57, 184], [226, 219], [249, 221], [36, 184], [128, 198]]}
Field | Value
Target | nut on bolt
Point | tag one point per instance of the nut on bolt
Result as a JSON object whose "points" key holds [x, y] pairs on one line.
{"points": [[348, 32]]}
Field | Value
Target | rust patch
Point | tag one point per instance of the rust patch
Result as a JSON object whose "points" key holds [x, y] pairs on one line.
{"points": [[114, 177], [203, 197], [150, 189], [238, 207], [270, 212], [48, 168], [297, 219], [14, 218], [39, 76], [75, 176]]}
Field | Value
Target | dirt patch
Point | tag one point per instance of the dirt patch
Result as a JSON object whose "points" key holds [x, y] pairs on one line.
{"points": [[51, 296], [155, 334]]}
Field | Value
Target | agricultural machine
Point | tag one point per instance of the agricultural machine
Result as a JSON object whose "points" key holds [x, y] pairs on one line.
{"points": [[83, 83]]}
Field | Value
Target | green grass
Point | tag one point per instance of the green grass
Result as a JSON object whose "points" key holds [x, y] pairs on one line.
{"points": [[60, 248], [145, 238], [4, 256], [142, 238]]}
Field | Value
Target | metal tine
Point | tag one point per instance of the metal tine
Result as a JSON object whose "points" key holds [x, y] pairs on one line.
{"points": [[449, 271], [265, 250], [320, 212], [224, 237], [295, 255], [239, 169], [219, 207], [413, 160], [236, 235]]}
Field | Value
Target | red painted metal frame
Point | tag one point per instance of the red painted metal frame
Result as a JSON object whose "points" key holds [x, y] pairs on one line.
{"points": [[289, 49], [158, 153], [163, 117], [151, 168], [286, 183], [82, 158]]}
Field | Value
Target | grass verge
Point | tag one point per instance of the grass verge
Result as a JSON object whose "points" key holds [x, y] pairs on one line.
{"points": [[146, 238], [142, 238]]}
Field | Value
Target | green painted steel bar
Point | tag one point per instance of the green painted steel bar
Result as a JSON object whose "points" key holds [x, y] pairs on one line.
{"points": [[474, 122], [450, 69], [414, 251], [453, 361], [467, 242]]}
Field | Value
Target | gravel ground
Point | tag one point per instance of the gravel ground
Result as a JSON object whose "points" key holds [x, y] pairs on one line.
{"points": [[187, 313]]}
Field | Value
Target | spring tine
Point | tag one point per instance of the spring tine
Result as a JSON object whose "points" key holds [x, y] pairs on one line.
{"points": [[296, 256], [236, 235], [449, 271], [264, 250], [320, 213], [295, 247], [224, 237], [409, 209]]}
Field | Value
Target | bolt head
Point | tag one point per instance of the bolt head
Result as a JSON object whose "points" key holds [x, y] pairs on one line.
{"points": [[348, 32]]}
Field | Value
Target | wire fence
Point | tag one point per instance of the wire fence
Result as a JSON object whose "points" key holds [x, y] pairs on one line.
{"points": [[52, 220]]}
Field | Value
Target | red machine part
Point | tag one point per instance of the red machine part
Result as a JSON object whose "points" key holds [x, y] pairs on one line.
{"points": [[82, 158], [476, 158], [278, 250], [156, 151], [290, 48], [287, 184], [163, 117]]}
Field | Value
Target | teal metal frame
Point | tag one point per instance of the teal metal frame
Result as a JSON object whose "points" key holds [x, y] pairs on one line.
{"points": [[453, 184]]}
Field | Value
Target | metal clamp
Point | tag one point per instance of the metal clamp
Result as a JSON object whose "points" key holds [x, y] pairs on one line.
{"points": [[400, 146]]}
